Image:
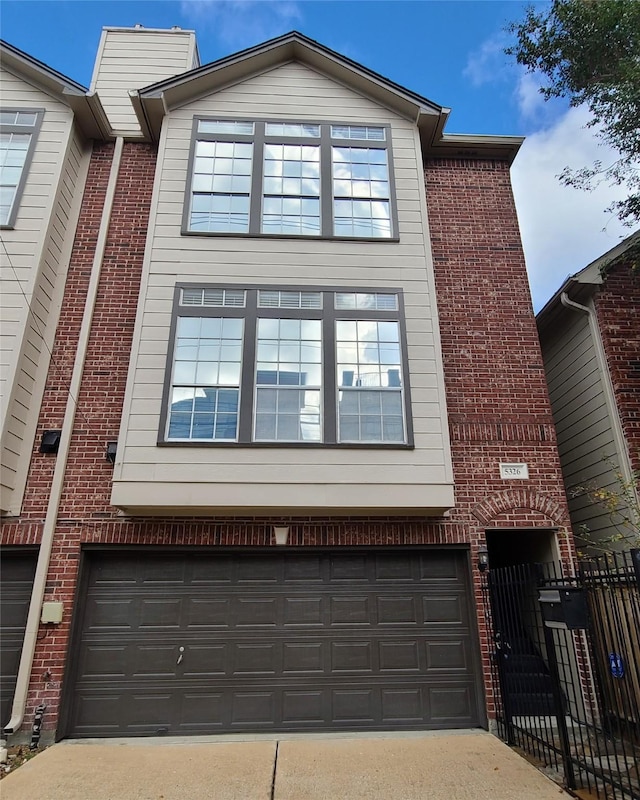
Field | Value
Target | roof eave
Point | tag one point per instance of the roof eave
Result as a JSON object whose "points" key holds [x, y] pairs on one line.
{"points": [[458, 145], [154, 100], [583, 283], [86, 107]]}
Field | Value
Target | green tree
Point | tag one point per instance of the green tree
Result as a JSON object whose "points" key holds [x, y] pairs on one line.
{"points": [[589, 51]]}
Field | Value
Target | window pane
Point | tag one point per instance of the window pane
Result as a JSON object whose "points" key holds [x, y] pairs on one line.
{"points": [[287, 415], [380, 302], [289, 361], [221, 186], [291, 129], [369, 379], [365, 416], [358, 132], [225, 126], [291, 190], [208, 355]]}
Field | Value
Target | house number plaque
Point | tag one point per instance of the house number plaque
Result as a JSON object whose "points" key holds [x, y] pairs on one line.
{"points": [[514, 472]]}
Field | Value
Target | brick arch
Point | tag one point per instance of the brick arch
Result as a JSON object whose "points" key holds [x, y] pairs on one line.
{"points": [[510, 499]]}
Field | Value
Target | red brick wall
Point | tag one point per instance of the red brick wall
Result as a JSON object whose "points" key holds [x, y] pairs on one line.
{"points": [[497, 398], [494, 379], [618, 312]]}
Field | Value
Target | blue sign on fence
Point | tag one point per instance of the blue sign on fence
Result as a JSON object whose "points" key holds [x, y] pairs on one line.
{"points": [[616, 665]]}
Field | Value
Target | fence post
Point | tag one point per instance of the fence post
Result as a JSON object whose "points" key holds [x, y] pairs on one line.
{"points": [[558, 704]]}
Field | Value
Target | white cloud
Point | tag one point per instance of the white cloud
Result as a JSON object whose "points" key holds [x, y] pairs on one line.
{"points": [[242, 23], [530, 102], [563, 229], [488, 63]]}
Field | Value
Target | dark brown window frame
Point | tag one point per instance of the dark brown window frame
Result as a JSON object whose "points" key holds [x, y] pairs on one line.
{"points": [[250, 313], [34, 130], [325, 142]]}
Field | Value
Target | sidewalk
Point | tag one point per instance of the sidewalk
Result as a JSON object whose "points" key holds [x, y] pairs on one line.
{"points": [[468, 765]]}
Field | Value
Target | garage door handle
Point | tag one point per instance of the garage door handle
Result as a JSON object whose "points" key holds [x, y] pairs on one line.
{"points": [[180, 657]]}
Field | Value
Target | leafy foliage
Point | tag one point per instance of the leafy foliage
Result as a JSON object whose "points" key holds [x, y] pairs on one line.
{"points": [[589, 51], [622, 505]]}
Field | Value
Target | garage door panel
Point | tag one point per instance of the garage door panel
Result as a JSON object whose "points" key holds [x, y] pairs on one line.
{"points": [[304, 706], [253, 708], [285, 641], [208, 613], [396, 567], [161, 613], [302, 658], [257, 612], [402, 706], [448, 566], [107, 614], [403, 656], [306, 611], [16, 581], [349, 568], [353, 705], [350, 610], [444, 609], [450, 655], [205, 661], [397, 610], [451, 703]]}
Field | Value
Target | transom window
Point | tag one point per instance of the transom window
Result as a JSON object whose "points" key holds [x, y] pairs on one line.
{"points": [[18, 129], [290, 179], [287, 366]]}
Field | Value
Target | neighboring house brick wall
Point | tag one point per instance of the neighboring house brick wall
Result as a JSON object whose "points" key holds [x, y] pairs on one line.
{"points": [[617, 304]]}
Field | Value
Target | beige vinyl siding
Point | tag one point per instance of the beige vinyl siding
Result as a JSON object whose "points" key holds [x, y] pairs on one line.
{"points": [[586, 440], [32, 278], [132, 59], [144, 470]]}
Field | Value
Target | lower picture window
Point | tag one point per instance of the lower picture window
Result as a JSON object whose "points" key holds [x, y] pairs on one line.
{"points": [[287, 367]]}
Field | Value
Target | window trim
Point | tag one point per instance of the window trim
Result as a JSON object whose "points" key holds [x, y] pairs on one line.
{"points": [[324, 142], [328, 314], [35, 131]]}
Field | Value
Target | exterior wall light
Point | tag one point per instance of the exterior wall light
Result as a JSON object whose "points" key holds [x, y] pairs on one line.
{"points": [[281, 533], [50, 441], [483, 559], [110, 452]]}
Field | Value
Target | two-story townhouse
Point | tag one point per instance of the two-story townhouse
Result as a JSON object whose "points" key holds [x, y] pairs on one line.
{"points": [[313, 356], [590, 337]]}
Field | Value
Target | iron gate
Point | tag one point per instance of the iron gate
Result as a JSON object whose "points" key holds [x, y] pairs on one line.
{"points": [[566, 669]]}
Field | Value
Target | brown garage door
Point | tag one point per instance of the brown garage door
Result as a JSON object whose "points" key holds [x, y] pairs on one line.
{"points": [[202, 643], [16, 581]]}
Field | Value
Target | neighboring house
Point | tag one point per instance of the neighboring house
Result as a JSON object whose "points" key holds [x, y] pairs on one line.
{"points": [[590, 336], [297, 321]]}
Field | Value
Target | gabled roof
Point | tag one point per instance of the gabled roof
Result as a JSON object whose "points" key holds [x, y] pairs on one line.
{"points": [[86, 106], [152, 102], [581, 286]]}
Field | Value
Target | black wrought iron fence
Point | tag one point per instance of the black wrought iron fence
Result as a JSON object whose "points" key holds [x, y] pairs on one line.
{"points": [[566, 669]]}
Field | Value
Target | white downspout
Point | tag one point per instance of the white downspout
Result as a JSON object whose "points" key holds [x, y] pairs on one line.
{"points": [[607, 384], [46, 545]]}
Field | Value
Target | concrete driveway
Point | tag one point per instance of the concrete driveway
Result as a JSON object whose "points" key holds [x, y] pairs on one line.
{"points": [[467, 765]]}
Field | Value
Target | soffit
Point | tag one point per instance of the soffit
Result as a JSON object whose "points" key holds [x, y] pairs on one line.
{"points": [[86, 107]]}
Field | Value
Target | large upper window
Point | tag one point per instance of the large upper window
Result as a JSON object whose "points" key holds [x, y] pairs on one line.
{"points": [[291, 179], [304, 366], [18, 129]]}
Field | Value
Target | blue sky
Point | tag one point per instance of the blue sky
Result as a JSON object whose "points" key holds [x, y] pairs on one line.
{"points": [[449, 51]]}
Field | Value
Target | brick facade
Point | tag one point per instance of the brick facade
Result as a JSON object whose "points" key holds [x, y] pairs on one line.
{"points": [[497, 398], [617, 302]]}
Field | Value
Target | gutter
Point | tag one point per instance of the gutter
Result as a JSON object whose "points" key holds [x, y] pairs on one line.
{"points": [[57, 483]]}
